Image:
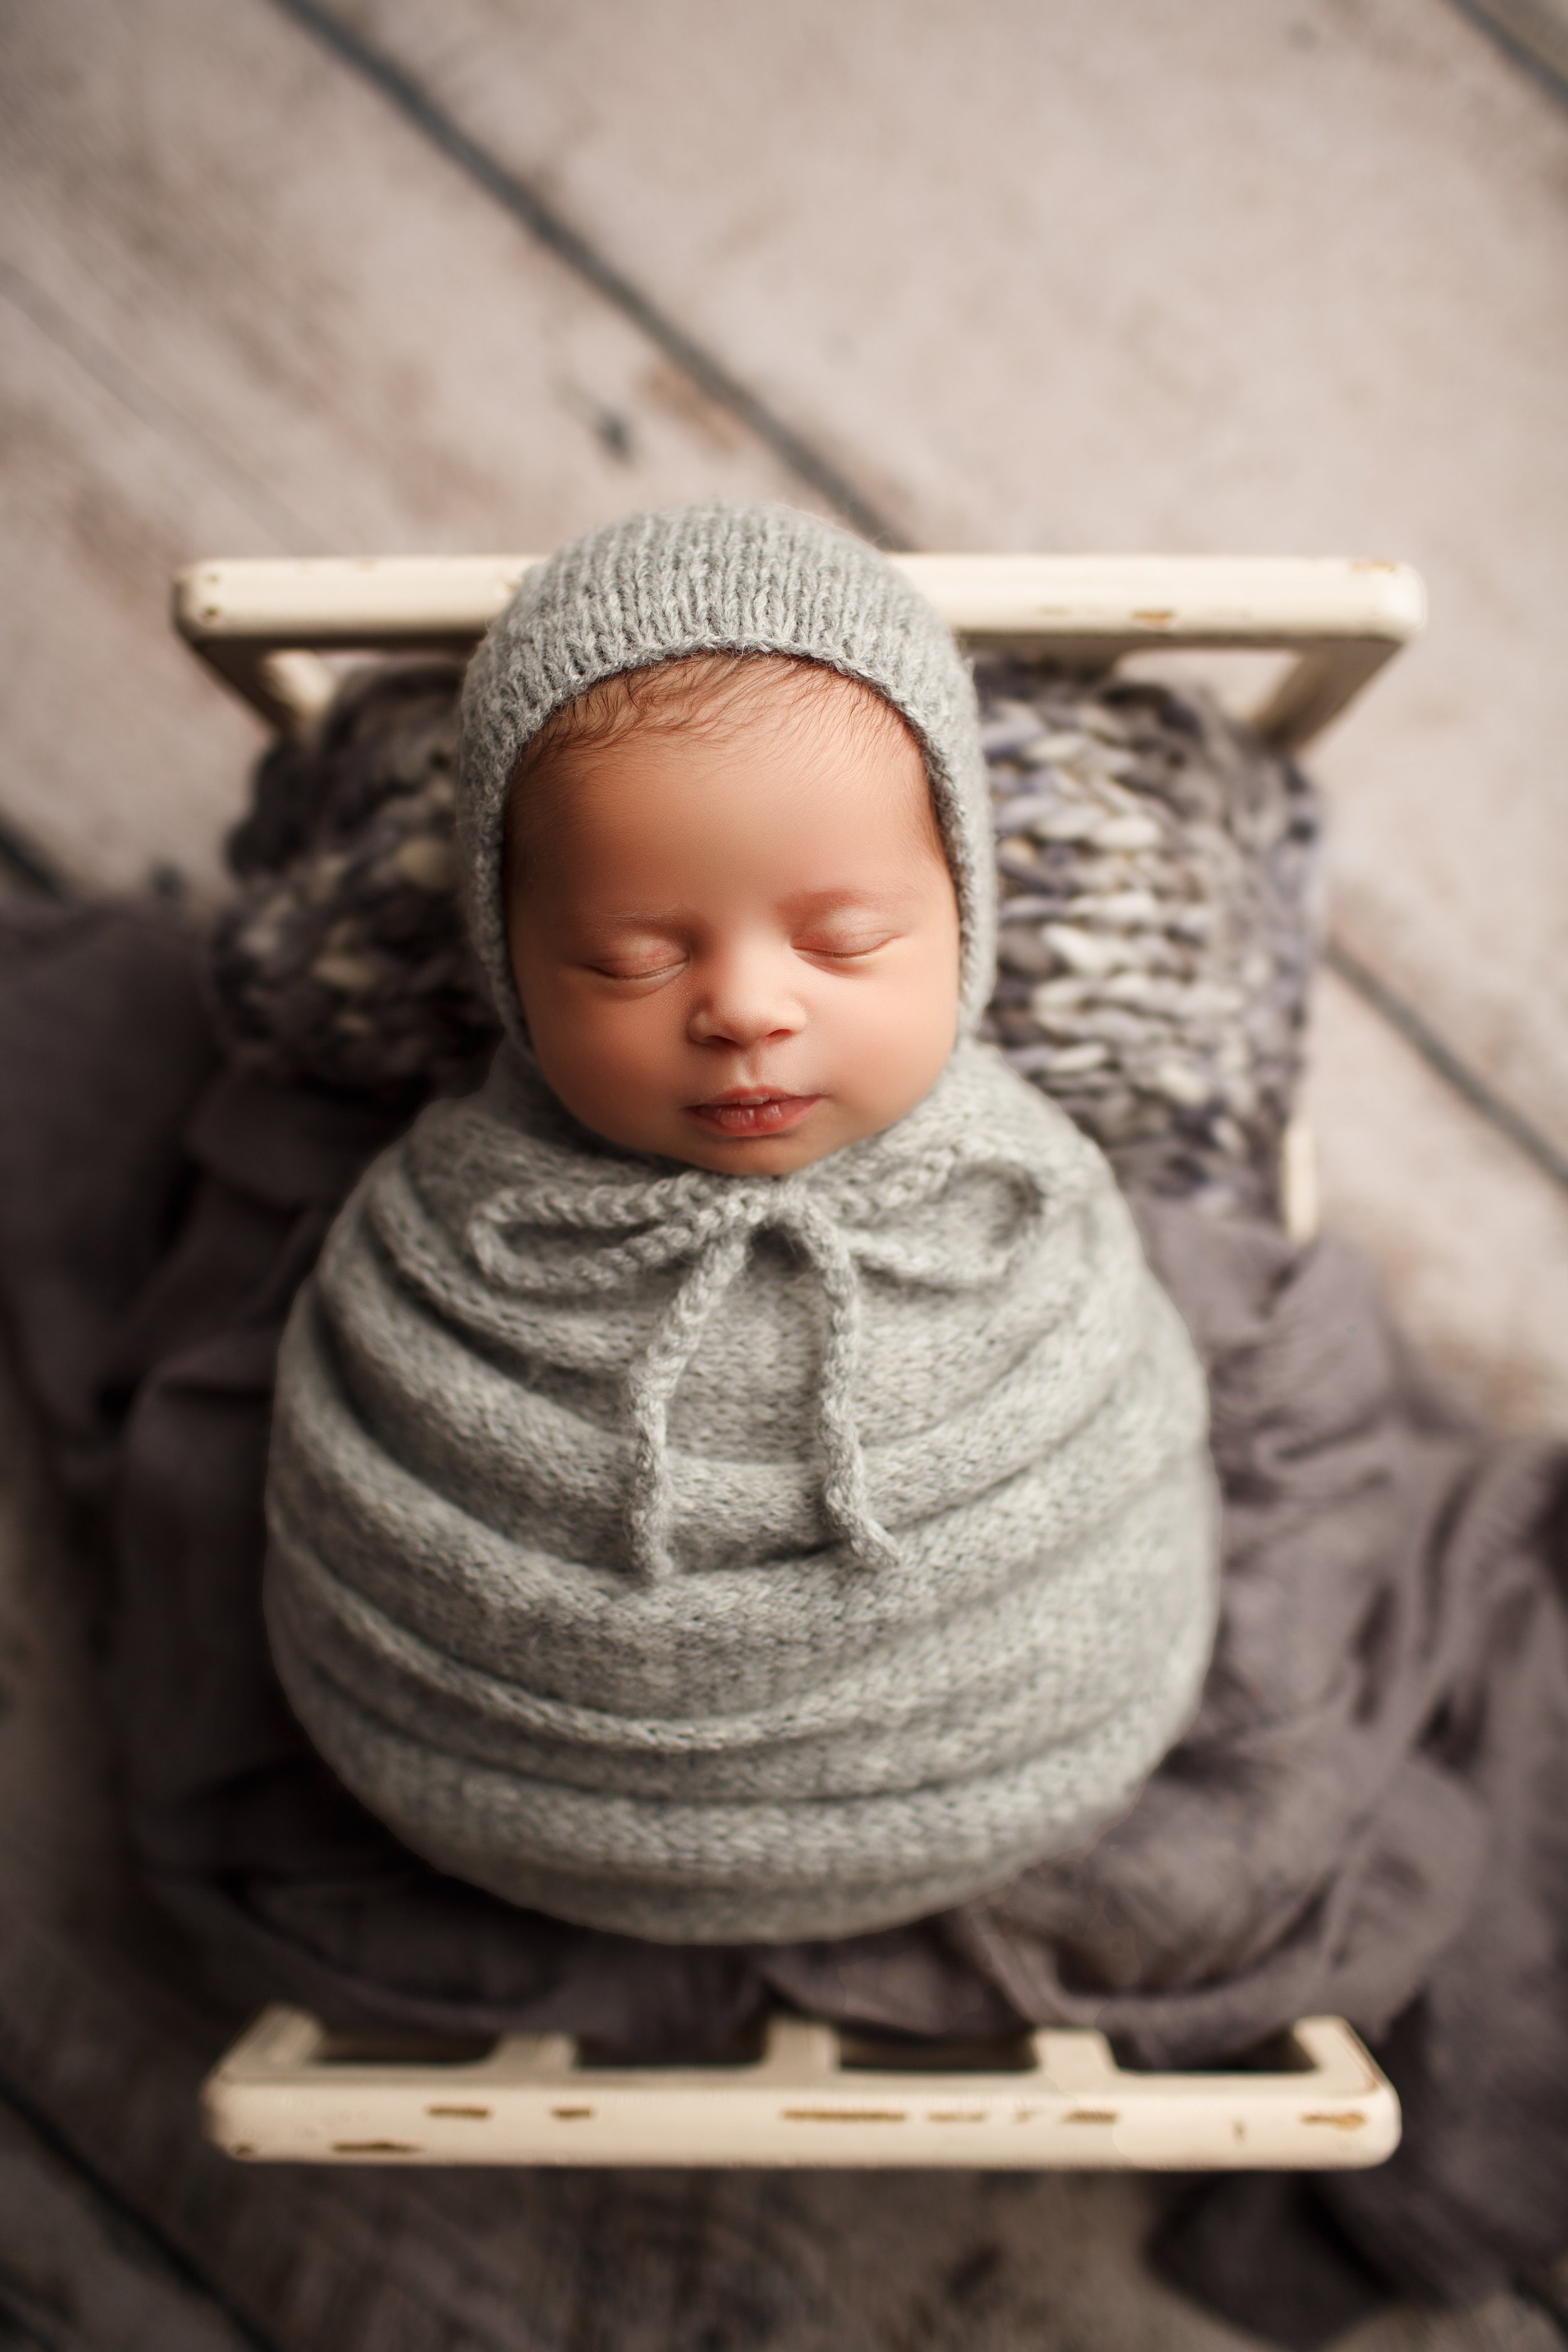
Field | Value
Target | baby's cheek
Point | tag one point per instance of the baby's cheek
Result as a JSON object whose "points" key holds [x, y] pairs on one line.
{"points": [[627, 1044], [901, 1038]]}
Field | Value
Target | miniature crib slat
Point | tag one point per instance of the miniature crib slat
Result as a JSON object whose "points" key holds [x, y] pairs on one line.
{"points": [[1064, 2103], [262, 622]]}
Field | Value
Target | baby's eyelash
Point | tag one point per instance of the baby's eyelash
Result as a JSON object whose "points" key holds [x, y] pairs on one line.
{"points": [[842, 950], [639, 970]]}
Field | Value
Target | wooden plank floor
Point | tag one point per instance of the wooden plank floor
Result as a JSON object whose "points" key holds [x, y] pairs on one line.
{"points": [[1273, 275]]}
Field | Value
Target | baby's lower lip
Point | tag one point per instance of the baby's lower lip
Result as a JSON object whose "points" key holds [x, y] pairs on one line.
{"points": [[761, 1114]]}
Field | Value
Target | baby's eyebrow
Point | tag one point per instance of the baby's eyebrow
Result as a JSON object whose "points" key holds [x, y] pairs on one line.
{"points": [[802, 906], [806, 903], [642, 917]]}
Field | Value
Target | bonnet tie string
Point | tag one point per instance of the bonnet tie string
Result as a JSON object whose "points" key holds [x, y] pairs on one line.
{"points": [[720, 1255]]}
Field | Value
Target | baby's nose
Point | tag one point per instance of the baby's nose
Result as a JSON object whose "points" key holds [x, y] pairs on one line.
{"points": [[744, 1001]]}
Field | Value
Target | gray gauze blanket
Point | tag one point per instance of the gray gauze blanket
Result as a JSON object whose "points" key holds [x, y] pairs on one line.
{"points": [[716, 1558]]}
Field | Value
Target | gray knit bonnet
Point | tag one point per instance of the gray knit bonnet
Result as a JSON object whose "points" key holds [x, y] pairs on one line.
{"points": [[714, 578]]}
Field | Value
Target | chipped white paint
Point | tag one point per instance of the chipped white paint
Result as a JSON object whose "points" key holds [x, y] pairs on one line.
{"points": [[1063, 2103]]}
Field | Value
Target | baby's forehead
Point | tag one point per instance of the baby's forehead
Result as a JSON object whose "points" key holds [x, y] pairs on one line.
{"points": [[715, 703]]}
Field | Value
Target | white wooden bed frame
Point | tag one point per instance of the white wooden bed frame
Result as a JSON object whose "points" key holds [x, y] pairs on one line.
{"points": [[287, 2091], [259, 619], [809, 2098]]}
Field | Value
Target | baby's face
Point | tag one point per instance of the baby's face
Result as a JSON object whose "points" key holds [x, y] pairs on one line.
{"points": [[737, 945]]}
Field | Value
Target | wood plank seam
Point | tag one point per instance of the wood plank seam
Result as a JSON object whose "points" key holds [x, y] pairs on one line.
{"points": [[1533, 33], [1418, 1034], [138, 2224], [414, 103]]}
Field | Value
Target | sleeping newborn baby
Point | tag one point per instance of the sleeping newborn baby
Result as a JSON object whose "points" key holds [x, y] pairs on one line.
{"points": [[735, 1478]]}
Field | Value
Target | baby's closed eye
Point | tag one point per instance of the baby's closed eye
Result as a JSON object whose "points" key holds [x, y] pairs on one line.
{"points": [[642, 956], [844, 938]]}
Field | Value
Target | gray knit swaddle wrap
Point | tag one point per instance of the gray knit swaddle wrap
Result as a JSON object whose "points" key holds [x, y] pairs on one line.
{"points": [[718, 1559]]}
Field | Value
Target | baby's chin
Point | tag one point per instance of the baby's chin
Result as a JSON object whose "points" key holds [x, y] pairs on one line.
{"points": [[775, 1155]]}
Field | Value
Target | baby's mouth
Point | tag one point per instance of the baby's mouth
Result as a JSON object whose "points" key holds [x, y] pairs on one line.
{"points": [[753, 1110]]}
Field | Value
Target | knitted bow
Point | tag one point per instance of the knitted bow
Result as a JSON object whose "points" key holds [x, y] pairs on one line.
{"points": [[687, 1217], [653, 1383]]}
